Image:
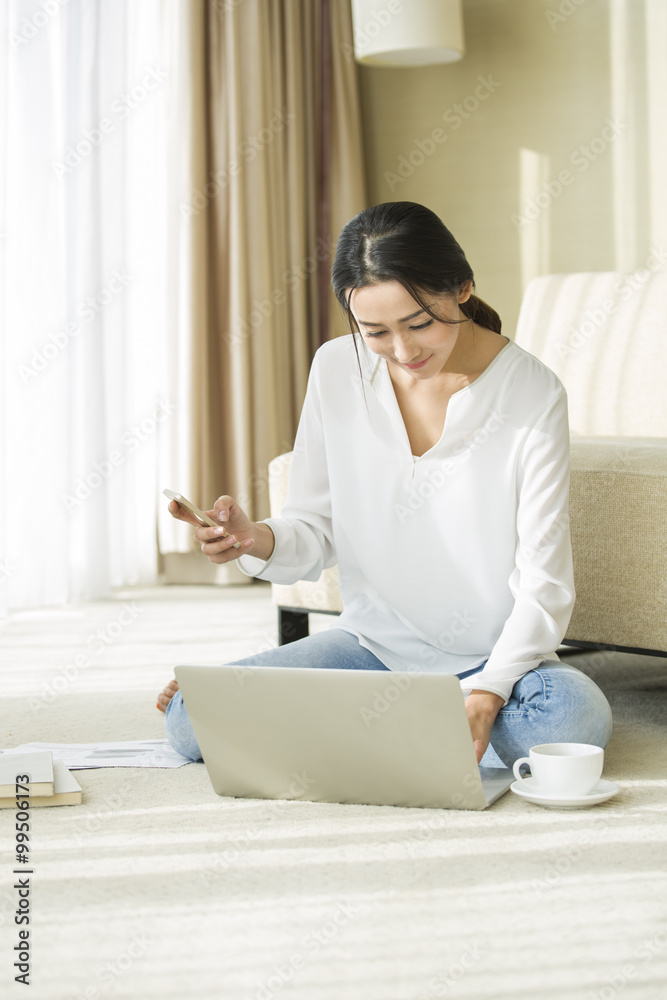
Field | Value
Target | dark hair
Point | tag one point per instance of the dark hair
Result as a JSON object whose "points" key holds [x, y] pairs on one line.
{"points": [[406, 242]]}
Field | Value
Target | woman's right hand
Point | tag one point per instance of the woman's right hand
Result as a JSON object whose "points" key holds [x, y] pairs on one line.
{"points": [[231, 518]]}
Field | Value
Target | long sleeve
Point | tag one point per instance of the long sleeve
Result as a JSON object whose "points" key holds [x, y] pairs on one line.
{"points": [[542, 582], [478, 564], [304, 543]]}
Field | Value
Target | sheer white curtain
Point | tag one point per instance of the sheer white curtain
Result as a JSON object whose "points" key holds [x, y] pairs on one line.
{"points": [[95, 286]]}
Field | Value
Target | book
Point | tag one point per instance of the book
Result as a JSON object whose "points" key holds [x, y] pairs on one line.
{"points": [[66, 791], [38, 765]]}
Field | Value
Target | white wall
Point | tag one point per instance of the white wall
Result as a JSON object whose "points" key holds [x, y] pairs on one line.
{"points": [[558, 72]]}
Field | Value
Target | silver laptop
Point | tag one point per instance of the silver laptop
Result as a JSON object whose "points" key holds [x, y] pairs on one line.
{"points": [[365, 736]]}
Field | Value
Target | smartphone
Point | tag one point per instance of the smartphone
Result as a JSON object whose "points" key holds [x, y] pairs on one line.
{"points": [[204, 519]]}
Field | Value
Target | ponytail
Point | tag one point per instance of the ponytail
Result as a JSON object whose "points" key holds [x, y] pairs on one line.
{"points": [[481, 313]]}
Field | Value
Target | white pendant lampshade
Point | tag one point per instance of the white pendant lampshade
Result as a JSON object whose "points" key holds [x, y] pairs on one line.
{"points": [[407, 32]]}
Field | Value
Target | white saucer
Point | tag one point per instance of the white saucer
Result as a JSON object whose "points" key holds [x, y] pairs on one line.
{"points": [[527, 788]]}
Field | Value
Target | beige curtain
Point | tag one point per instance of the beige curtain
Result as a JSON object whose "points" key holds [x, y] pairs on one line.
{"points": [[279, 169]]}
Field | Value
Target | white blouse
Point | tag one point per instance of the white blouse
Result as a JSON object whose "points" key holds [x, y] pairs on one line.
{"points": [[449, 559]]}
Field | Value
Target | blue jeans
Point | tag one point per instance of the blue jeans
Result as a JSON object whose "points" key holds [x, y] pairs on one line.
{"points": [[555, 703]]}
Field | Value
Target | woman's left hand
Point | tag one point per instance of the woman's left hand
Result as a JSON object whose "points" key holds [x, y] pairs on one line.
{"points": [[482, 708]]}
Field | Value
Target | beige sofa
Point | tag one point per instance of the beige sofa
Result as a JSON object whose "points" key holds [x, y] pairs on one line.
{"points": [[605, 336]]}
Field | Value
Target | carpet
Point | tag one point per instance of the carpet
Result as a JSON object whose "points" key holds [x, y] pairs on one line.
{"points": [[154, 887]]}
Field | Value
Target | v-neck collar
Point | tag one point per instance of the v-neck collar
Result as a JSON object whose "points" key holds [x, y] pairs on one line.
{"points": [[381, 382]]}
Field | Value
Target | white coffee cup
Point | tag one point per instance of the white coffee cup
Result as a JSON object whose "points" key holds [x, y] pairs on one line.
{"points": [[563, 768]]}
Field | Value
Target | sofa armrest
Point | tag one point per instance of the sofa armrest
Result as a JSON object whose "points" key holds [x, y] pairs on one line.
{"points": [[322, 595], [618, 522]]}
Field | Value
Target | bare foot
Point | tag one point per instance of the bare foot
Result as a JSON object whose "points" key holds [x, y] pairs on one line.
{"points": [[166, 695]]}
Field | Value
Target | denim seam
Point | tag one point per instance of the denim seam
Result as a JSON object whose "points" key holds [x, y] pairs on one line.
{"points": [[526, 709]]}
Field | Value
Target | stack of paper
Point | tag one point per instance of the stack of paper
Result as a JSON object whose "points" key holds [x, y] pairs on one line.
{"points": [[42, 781], [136, 753]]}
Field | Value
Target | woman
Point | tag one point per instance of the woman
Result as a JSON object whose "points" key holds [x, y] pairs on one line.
{"points": [[431, 463]]}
